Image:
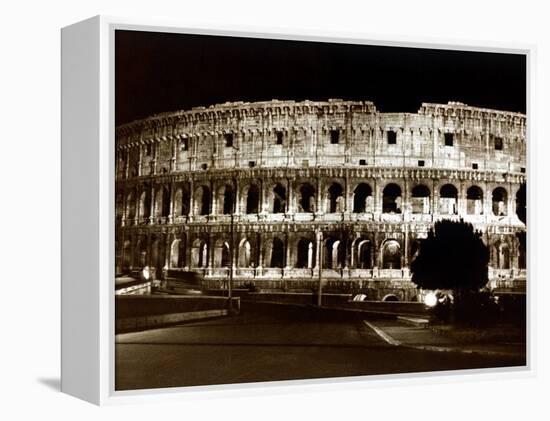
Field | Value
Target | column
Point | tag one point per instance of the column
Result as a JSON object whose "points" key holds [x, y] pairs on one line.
{"points": [[140, 160], [152, 214], [127, 164], [173, 162], [171, 215], [288, 255], [319, 204]]}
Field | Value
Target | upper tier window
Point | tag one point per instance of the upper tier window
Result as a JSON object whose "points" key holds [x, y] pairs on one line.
{"points": [[229, 140], [280, 136], [498, 143], [335, 137], [449, 139], [392, 137]]}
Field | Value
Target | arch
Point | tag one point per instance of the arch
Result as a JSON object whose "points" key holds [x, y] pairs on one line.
{"points": [[181, 201], [252, 197], [306, 203], [278, 204], [503, 256], [391, 255], [305, 253], [126, 255], [448, 200], [390, 297], [245, 254], [199, 253], [157, 253], [362, 198], [391, 199], [521, 203], [226, 255], [277, 253], [500, 198], [364, 255], [334, 256], [130, 205], [474, 201], [162, 202], [335, 198], [178, 252], [226, 199], [203, 200], [420, 199], [145, 203], [142, 252]]}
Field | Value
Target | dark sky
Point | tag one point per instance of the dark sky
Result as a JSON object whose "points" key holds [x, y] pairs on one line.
{"points": [[159, 72]]}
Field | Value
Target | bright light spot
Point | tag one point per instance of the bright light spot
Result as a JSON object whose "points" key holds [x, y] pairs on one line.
{"points": [[430, 299], [145, 273]]}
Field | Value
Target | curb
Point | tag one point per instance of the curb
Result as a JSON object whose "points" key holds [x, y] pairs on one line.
{"points": [[434, 348]]}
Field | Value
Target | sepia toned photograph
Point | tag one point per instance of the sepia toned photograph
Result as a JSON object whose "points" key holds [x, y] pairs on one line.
{"points": [[298, 210]]}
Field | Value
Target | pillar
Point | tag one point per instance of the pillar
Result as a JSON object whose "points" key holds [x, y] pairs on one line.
{"points": [[152, 213]]}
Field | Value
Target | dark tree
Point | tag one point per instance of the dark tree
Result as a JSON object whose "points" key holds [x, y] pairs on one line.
{"points": [[452, 257]]}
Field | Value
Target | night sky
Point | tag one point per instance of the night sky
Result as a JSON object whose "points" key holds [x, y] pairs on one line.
{"points": [[159, 72]]}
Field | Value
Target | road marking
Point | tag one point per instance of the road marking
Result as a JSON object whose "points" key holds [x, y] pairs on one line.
{"points": [[383, 334]]}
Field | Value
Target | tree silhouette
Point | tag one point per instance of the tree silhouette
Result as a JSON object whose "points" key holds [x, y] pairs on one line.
{"points": [[452, 257]]}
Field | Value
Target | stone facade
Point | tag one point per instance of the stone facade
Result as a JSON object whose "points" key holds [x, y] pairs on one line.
{"points": [[286, 184]]}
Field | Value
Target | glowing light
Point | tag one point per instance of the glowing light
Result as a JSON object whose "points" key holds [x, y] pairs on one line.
{"points": [[430, 299]]}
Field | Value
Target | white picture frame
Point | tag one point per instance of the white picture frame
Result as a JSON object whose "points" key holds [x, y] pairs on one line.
{"points": [[88, 211]]}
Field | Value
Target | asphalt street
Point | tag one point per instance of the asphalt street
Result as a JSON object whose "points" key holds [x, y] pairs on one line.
{"points": [[280, 344]]}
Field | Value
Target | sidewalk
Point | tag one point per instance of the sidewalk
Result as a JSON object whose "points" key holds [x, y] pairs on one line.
{"points": [[417, 335]]}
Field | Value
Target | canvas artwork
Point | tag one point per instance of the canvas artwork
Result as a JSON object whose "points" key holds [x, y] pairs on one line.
{"points": [[295, 210]]}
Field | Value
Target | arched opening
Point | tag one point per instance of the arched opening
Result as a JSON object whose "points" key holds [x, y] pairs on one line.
{"points": [[245, 258], [364, 254], [141, 249], [157, 253], [307, 198], [252, 199], [177, 253], [334, 256], [126, 255], [181, 201], [391, 255], [362, 198], [162, 205], [420, 199], [390, 297], [130, 206], [277, 253], [335, 198], [304, 254], [474, 201], [199, 254], [145, 204], [521, 204], [203, 200], [500, 198], [226, 256], [228, 200], [279, 199], [391, 199], [503, 256], [448, 199]]}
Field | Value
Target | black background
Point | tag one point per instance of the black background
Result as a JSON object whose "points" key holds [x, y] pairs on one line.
{"points": [[159, 72]]}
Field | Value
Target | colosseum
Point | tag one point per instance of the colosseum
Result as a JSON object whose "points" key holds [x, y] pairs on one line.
{"points": [[286, 193]]}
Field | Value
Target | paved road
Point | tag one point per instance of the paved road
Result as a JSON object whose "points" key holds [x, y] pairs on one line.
{"points": [[275, 345]]}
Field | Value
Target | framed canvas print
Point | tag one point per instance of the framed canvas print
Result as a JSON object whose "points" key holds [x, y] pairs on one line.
{"points": [[248, 209]]}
